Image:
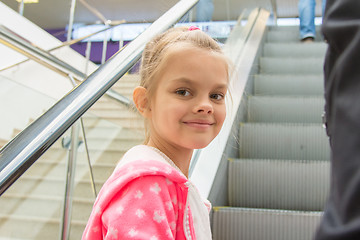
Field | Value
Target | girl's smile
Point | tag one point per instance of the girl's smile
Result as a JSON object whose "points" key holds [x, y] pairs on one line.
{"points": [[199, 124]]}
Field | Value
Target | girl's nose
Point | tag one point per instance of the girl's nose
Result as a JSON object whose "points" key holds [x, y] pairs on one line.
{"points": [[204, 107]]}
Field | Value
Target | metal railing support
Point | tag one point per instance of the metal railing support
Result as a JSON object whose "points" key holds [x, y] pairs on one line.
{"points": [[21, 8], [104, 50], [92, 181], [65, 221], [274, 10], [87, 56], [91, 173], [69, 184], [94, 11], [71, 20]]}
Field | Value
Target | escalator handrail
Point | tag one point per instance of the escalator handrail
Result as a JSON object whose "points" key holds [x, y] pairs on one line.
{"points": [[21, 152]]}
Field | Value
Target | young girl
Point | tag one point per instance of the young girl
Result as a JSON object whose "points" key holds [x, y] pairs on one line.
{"points": [[184, 80]]}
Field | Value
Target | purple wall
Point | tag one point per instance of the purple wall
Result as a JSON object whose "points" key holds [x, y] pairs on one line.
{"points": [[96, 47]]}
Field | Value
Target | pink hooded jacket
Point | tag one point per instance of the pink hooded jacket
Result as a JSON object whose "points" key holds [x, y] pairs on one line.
{"points": [[144, 198]]}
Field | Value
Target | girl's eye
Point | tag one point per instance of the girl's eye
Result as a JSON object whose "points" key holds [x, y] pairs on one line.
{"points": [[217, 96], [183, 92]]}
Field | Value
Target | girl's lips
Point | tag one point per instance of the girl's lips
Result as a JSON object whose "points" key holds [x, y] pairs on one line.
{"points": [[200, 124]]}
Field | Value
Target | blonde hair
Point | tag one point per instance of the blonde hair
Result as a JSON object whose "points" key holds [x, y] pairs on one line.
{"points": [[157, 50]]}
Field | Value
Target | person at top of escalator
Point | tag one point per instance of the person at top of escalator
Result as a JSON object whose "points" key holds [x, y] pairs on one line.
{"points": [[307, 19]]}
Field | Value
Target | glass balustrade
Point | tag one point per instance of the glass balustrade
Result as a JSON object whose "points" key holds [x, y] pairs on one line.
{"points": [[19, 105], [32, 207]]}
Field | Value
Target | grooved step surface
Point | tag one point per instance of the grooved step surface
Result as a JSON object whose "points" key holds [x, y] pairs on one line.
{"points": [[52, 187], [111, 133], [43, 206], [283, 141], [286, 85], [279, 184], [295, 50], [58, 169], [285, 109], [114, 144], [60, 154], [130, 79], [107, 109], [284, 151], [289, 28], [294, 66], [261, 224], [125, 123], [110, 104], [127, 92], [288, 35], [27, 227]]}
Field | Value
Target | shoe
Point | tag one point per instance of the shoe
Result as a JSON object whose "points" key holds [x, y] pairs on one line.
{"points": [[308, 40]]}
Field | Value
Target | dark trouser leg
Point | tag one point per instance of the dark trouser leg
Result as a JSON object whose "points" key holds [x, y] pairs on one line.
{"points": [[341, 28]]}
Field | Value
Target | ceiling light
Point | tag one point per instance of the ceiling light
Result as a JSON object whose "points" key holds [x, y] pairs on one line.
{"points": [[28, 1]]}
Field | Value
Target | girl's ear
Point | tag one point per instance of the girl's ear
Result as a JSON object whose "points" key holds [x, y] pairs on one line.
{"points": [[141, 101]]}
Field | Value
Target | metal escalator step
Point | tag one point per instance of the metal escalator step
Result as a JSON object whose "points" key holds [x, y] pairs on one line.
{"points": [[129, 79], [51, 186], [112, 144], [279, 184], [283, 141], [110, 133], [107, 156], [289, 85], [285, 109], [98, 145], [288, 36], [108, 104], [112, 113], [317, 49], [56, 169], [272, 65], [130, 84], [260, 224], [128, 93], [29, 227], [44, 206], [125, 123], [289, 28]]}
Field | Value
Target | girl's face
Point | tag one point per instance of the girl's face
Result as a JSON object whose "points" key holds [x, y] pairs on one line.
{"points": [[188, 107]]}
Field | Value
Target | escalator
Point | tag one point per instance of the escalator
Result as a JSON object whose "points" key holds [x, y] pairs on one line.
{"points": [[258, 191], [278, 180]]}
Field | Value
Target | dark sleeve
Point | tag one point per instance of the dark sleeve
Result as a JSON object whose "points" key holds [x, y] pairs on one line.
{"points": [[341, 29]]}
